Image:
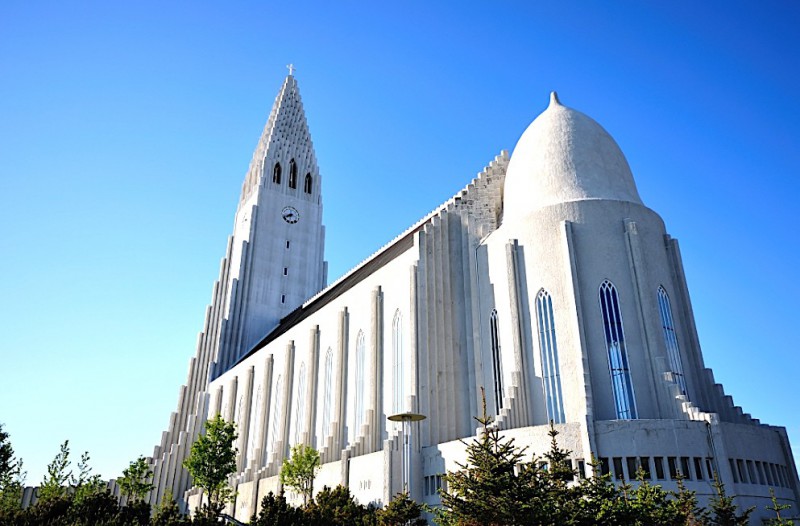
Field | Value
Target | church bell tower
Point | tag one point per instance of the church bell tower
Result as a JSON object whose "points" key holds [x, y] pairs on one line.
{"points": [[273, 263], [275, 256]]}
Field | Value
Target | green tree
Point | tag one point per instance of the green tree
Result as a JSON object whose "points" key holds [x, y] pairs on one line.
{"points": [[54, 484], [212, 459], [724, 511], [85, 484], [494, 486], [135, 480], [275, 511], [777, 508], [167, 513], [337, 507], [12, 477], [401, 511], [300, 469]]}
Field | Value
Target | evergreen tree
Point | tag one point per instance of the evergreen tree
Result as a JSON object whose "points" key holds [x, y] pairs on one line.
{"points": [[12, 477], [600, 502], [401, 511], [494, 487], [276, 511], [559, 501], [58, 474], [777, 508], [337, 507], [724, 511]]}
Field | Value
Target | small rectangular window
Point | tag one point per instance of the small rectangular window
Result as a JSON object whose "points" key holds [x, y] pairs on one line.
{"points": [[285, 271], [760, 472], [581, 469], [710, 471], [698, 468], [742, 471], [659, 463], [751, 472], [632, 467], [604, 468], [734, 471], [644, 463], [283, 298], [686, 470], [782, 476], [770, 480], [672, 463], [618, 473], [287, 244]]}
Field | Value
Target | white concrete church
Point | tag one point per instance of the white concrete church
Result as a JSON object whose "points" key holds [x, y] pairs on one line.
{"points": [[545, 280]]}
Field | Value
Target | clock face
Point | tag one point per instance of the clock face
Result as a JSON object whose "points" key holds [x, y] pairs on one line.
{"points": [[290, 215]]}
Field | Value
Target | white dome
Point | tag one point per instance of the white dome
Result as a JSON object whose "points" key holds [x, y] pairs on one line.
{"points": [[564, 156]]}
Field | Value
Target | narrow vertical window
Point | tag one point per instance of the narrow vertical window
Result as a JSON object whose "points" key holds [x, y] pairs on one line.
{"points": [[617, 353], [292, 174], [327, 390], [398, 363], [308, 184], [276, 174], [671, 339], [549, 349], [277, 410], [497, 364], [361, 382], [300, 409]]}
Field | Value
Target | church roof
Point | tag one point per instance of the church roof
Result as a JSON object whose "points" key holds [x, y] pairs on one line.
{"points": [[563, 156]]}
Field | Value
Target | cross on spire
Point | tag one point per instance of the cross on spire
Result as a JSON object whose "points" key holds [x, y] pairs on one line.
{"points": [[290, 67]]}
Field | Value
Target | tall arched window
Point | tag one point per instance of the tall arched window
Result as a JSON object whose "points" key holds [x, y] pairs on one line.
{"points": [[276, 173], [277, 411], [308, 184], [549, 349], [251, 446], [292, 174], [671, 339], [327, 393], [300, 409], [497, 363], [398, 404], [621, 384]]}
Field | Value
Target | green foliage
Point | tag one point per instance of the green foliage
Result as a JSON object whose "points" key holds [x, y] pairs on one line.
{"points": [[337, 507], [213, 459], [135, 480], [401, 511], [275, 511], [494, 486], [724, 511], [167, 513], [54, 484], [86, 485], [299, 470], [777, 508], [12, 478], [93, 509]]}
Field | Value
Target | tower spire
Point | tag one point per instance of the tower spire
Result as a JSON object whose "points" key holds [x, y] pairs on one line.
{"points": [[286, 125]]}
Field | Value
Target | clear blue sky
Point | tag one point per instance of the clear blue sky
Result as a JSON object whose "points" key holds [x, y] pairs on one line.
{"points": [[126, 129]]}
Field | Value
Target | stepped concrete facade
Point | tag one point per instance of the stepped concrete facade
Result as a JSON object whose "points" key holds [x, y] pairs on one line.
{"points": [[546, 283]]}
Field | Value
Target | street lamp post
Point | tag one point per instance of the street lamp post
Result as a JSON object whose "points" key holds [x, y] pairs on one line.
{"points": [[406, 419]]}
